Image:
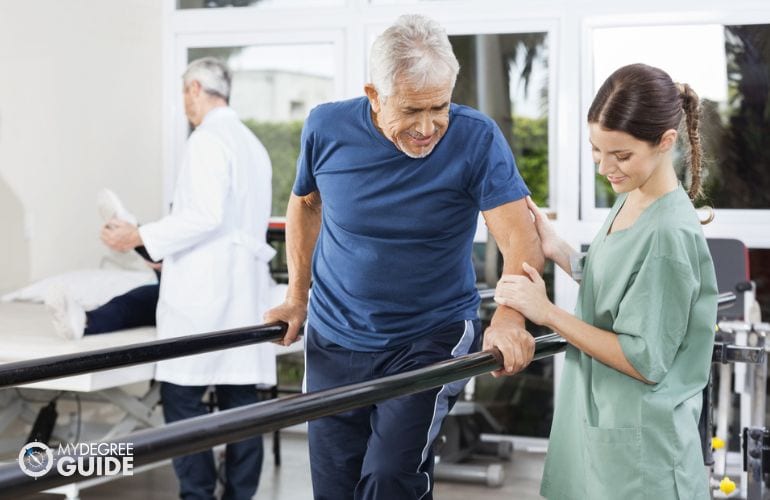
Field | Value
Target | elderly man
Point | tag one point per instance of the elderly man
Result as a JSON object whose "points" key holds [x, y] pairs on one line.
{"points": [[386, 199], [215, 273]]}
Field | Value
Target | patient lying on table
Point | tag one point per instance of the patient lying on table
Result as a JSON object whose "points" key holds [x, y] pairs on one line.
{"points": [[133, 309]]}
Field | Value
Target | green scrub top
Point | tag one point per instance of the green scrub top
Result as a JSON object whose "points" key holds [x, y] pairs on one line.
{"points": [[614, 437]]}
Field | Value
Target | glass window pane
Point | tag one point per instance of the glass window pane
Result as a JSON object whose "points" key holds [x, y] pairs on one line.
{"points": [[729, 68], [261, 4], [274, 88], [506, 77]]}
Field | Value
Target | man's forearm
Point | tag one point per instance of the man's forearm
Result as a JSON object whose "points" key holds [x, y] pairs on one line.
{"points": [[303, 222], [517, 249], [512, 227], [504, 313]]}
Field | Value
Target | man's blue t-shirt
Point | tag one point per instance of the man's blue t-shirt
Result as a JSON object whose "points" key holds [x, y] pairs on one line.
{"points": [[393, 257]]}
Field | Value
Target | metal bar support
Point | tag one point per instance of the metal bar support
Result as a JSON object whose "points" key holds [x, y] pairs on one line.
{"points": [[201, 433], [36, 370]]}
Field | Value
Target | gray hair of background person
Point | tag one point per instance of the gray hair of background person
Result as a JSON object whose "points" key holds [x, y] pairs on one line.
{"points": [[213, 75], [415, 49]]}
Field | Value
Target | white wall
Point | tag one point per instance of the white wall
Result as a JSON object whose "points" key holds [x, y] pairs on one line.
{"points": [[80, 109]]}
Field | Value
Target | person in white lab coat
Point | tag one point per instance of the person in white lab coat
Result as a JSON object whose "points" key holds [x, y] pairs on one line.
{"points": [[215, 273]]}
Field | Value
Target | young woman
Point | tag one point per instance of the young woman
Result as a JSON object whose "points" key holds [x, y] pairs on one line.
{"points": [[626, 420]]}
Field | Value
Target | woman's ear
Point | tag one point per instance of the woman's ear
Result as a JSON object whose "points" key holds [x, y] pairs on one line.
{"points": [[667, 140]]}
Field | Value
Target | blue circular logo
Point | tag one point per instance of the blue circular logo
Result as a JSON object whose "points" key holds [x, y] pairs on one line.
{"points": [[35, 459]]}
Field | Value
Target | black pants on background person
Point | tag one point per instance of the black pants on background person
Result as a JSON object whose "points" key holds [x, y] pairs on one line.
{"points": [[197, 473]]}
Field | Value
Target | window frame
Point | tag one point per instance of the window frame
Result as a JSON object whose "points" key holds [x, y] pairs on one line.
{"points": [[195, 40], [269, 7], [747, 225]]}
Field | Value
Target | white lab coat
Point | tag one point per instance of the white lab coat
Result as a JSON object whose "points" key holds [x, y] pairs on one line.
{"points": [[215, 258]]}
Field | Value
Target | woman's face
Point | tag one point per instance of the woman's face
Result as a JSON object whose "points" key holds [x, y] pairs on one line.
{"points": [[627, 162]]}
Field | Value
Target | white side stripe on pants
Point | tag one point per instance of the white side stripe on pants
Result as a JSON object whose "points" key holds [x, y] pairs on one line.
{"points": [[441, 405]]}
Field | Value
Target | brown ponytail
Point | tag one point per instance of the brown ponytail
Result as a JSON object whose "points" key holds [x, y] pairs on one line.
{"points": [[691, 106]]}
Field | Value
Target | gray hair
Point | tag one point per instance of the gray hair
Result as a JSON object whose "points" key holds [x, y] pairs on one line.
{"points": [[415, 48], [213, 75]]}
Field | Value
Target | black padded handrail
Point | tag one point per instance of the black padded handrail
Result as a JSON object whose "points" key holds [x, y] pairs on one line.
{"points": [[39, 369], [201, 433]]}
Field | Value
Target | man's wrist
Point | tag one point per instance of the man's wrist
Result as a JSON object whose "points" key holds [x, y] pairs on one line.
{"points": [[507, 315], [298, 296], [137, 238]]}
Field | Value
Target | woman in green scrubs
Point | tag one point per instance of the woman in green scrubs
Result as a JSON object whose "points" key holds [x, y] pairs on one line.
{"points": [[640, 342]]}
